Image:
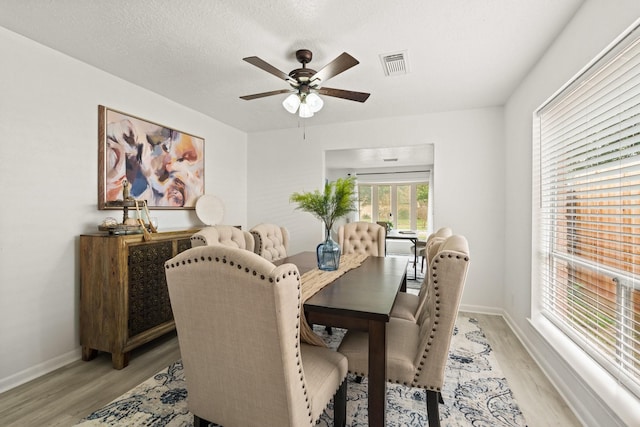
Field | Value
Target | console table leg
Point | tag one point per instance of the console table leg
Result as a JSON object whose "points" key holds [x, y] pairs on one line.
{"points": [[88, 353], [120, 360]]}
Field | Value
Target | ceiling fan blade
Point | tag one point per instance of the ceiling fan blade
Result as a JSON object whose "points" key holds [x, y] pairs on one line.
{"points": [[263, 94], [335, 67], [345, 94], [263, 65]]}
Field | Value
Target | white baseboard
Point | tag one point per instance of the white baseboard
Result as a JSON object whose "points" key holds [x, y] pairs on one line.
{"points": [[481, 309], [39, 370]]}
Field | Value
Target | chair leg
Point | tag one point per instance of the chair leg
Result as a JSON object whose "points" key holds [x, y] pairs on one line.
{"points": [[329, 330], [433, 412], [200, 422], [340, 406]]}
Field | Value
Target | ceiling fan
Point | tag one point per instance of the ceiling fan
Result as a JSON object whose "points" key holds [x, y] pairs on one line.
{"points": [[306, 83]]}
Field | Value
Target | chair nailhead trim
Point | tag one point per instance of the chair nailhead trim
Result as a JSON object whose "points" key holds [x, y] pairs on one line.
{"points": [[436, 323], [271, 279]]}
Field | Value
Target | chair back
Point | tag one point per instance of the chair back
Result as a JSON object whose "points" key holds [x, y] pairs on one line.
{"points": [[431, 248], [242, 359], [271, 241], [226, 235], [433, 242], [362, 238], [436, 319]]}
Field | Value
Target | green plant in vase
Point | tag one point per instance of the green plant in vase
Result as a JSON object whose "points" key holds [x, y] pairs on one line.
{"points": [[334, 202]]}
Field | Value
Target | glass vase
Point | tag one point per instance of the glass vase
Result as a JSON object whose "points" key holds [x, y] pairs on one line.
{"points": [[328, 253]]}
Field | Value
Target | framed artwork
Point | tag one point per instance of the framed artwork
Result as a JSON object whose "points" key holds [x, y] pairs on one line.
{"points": [[155, 163]]}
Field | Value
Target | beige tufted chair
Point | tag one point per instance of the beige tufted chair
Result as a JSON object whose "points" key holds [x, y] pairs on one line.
{"points": [[363, 238], [417, 353], [271, 241], [225, 235], [407, 306], [238, 322]]}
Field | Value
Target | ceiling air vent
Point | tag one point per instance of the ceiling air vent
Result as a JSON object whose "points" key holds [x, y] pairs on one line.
{"points": [[395, 64]]}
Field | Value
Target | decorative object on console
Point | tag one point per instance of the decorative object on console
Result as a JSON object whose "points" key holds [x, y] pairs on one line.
{"points": [[163, 166], [210, 209], [129, 225], [334, 202], [109, 222]]}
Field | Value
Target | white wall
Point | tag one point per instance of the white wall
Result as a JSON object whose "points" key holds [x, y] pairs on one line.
{"points": [[595, 25], [48, 169], [469, 182]]}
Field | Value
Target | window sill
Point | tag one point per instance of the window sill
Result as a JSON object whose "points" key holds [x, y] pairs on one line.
{"points": [[620, 401]]}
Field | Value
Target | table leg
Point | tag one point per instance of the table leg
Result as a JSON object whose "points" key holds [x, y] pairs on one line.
{"points": [[415, 259], [377, 373]]}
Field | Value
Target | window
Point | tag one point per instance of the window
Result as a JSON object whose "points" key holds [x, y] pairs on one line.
{"points": [[404, 204], [384, 203], [587, 211]]}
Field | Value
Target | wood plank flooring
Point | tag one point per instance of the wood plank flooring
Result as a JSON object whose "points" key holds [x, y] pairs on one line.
{"points": [[66, 395], [537, 398]]}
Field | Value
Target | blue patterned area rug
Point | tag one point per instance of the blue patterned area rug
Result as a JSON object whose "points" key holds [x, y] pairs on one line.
{"points": [[475, 393]]}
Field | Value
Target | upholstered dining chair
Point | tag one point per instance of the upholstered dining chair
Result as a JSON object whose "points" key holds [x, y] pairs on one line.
{"points": [[226, 235], [418, 352], [238, 322], [407, 305], [362, 238], [271, 241]]}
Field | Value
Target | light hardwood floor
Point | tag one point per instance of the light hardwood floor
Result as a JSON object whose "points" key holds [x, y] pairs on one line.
{"points": [[65, 396]]}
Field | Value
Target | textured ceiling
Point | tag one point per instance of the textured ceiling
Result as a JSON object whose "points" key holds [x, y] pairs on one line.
{"points": [[461, 53]]}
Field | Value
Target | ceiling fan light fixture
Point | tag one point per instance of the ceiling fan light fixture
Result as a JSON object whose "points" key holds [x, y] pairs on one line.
{"points": [[305, 111], [314, 102], [291, 103], [305, 83]]}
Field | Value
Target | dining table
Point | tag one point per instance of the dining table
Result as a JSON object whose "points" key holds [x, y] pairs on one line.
{"points": [[412, 236], [360, 299]]}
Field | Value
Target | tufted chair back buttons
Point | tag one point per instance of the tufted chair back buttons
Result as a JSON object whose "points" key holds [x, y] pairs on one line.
{"points": [[225, 235], [362, 238], [271, 241]]}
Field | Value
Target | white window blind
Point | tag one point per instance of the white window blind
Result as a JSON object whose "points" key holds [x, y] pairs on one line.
{"points": [[587, 176]]}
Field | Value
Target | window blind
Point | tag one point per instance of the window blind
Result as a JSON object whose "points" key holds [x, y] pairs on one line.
{"points": [[587, 176]]}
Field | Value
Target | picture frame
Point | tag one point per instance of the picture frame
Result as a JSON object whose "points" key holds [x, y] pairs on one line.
{"points": [[147, 161]]}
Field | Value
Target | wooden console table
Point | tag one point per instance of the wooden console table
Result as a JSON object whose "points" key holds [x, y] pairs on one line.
{"points": [[124, 301]]}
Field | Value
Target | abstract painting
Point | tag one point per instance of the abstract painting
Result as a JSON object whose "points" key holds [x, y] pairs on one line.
{"points": [[155, 163]]}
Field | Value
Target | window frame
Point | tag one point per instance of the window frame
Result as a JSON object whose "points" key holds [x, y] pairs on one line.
{"points": [[413, 214], [576, 351]]}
